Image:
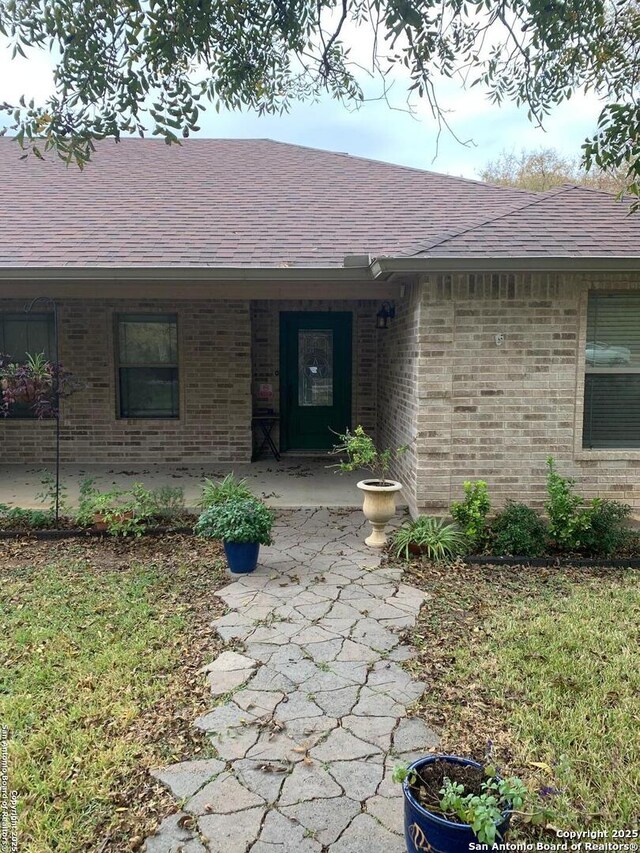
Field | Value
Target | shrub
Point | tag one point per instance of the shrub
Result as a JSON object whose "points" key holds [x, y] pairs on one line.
{"points": [[597, 528], [471, 513], [608, 532], [16, 517], [362, 452], [435, 539], [236, 520], [215, 494], [569, 518], [123, 511], [518, 531], [165, 501]]}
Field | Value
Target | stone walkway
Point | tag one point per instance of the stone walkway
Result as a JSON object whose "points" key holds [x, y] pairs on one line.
{"points": [[315, 713]]}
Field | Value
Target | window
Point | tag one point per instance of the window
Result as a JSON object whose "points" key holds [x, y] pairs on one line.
{"points": [[612, 363], [147, 364], [22, 334]]}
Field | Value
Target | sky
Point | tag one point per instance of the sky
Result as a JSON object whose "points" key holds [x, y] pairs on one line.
{"points": [[374, 130]]}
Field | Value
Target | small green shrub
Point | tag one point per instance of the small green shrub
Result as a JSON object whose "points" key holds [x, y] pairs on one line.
{"points": [[569, 517], [471, 513], [437, 540], [236, 520], [597, 528], [124, 512], [230, 488], [127, 511], [361, 452], [518, 531], [608, 533], [165, 501], [17, 517]]}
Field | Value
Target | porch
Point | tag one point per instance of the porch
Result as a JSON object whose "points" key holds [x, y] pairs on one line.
{"points": [[293, 482]]}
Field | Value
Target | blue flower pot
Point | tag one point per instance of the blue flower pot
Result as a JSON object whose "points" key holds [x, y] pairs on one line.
{"points": [[242, 557], [426, 832]]}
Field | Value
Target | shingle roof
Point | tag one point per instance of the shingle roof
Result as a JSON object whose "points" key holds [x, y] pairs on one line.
{"points": [[568, 221], [226, 203]]}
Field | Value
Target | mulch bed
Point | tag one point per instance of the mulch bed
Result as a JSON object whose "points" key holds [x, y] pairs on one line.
{"points": [[67, 529], [165, 731]]}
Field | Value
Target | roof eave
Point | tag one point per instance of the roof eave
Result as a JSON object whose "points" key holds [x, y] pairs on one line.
{"points": [[387, 266]]}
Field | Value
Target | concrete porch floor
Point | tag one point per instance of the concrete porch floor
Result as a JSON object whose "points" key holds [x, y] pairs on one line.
{"points": [[294, 482]]}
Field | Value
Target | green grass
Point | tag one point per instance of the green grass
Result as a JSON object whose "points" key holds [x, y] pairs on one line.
{"points": [[85, 656], [551, 674]]}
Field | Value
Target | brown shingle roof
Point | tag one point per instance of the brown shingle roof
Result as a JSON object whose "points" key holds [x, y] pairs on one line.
{"points": [[227, 203], [566, 222]]}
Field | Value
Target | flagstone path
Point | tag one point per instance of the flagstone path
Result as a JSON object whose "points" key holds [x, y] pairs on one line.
{"points": [[316, 714]]}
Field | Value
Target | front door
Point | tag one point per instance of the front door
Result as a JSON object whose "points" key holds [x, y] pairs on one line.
{"points": [[315, 378]]}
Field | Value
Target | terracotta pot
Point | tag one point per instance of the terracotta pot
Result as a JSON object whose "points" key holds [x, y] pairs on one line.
{"points": [[379, 507], [100, 522]]}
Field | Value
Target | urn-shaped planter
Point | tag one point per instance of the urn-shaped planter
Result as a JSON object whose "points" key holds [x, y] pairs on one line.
{"points": [[427, 832], [379, 507]]}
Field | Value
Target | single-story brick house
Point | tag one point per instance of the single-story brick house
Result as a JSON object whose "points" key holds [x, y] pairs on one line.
{"points": [[199, 284]]}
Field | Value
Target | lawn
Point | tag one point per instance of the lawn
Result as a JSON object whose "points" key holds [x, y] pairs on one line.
{"points": [[544, 665], [100, 647]]}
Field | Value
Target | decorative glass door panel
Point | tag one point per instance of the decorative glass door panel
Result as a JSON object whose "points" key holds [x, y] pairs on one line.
{"points": [[315, 367], [315, 378]]}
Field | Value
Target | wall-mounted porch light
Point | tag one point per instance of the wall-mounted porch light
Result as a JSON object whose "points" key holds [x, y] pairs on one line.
{"points": [[386, 313]]}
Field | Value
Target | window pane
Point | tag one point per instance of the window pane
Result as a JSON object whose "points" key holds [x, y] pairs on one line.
{"points": [[21, 334], [149, 392], [612, 410], [315, 367], [146, 339], [613, 330]]}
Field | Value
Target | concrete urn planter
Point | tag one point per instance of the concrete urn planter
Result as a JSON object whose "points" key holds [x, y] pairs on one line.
{"points": [[379, 507]]}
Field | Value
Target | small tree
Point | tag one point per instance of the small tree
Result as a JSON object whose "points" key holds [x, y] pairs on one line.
{"points": [[361, 452]]}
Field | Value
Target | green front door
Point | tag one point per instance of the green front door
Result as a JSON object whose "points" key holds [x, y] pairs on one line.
{"points": [[315, 378]]}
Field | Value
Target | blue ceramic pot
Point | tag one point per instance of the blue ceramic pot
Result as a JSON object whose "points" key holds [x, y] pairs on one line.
{"points": [[242, 557], [426, 832]]}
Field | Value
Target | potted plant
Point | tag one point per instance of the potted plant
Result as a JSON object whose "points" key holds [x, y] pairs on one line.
{"points": [[36, 383], [119, 512], [452, 802], [379, 504], [242, 524], [429, 537]]}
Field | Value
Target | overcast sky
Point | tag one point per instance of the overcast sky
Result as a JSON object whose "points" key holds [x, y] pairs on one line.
{"points": [[374, 130]]}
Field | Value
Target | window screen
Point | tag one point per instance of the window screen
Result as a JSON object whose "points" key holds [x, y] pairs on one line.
{"points": [[147, 351], [612, 363], [22, 335]]}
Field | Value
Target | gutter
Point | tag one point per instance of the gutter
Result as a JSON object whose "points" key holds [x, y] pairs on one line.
{"points": [[383, 268], [335, 275]]}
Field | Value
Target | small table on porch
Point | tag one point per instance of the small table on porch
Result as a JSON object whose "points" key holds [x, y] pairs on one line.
{"points": [[264, 424]]}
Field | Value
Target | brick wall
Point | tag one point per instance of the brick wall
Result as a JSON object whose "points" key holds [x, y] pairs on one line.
{"points": [[265, 318], [215, 383], [496, 412], [399, 366]]}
